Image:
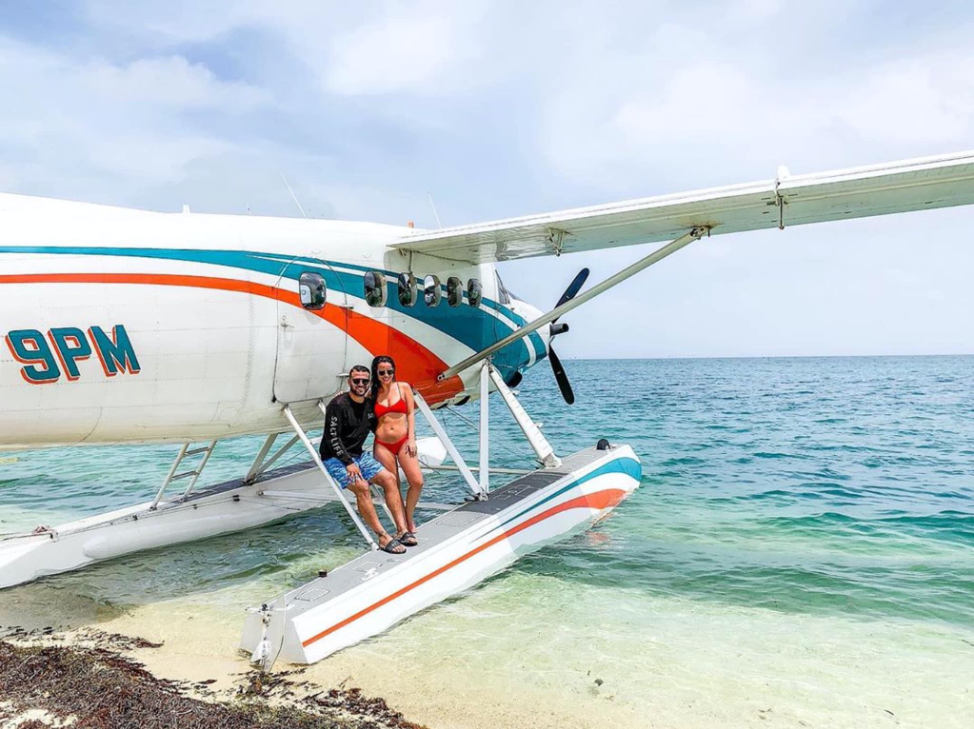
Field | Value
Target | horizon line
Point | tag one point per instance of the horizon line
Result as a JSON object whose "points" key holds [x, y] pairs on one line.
{"points": [[765, 356]]}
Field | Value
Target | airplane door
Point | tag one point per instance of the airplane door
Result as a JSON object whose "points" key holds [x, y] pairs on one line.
{"points": [[311, 335]]}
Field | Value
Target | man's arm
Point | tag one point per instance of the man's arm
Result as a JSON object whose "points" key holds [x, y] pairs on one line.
{"points": [[332, 434]]}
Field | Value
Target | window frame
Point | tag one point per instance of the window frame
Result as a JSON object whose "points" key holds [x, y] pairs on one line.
{"points": [[380, 285], [410, 282], [475, 284], [454, 292], [433, 288], [315, 283]]}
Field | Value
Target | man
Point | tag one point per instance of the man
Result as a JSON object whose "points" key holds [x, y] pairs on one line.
{"points": [[349, 419]]}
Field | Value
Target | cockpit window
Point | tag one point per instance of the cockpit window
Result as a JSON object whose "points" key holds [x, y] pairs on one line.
{"points": [[503, 295]]}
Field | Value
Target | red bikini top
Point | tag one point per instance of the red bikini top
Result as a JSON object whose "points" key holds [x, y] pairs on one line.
{"points": [[397, 407]]}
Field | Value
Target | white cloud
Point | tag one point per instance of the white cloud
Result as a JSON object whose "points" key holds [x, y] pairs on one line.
{"points": [[416, 48], [928, 98], [169, 81], [76, 123], [175, 20], [758, 8], [393, 55], [718, 113]]}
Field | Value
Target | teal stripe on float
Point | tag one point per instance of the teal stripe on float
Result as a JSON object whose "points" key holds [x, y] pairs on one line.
{"points": [[627, 466]]}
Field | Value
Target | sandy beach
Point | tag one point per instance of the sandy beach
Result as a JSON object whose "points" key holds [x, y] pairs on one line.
{"points": [[702, 669]]}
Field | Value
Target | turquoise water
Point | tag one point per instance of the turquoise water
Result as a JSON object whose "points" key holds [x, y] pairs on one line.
{"points": [[803, 537]]}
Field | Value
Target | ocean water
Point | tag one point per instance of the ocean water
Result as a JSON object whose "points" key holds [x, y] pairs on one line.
{"points": [[800, 553]]}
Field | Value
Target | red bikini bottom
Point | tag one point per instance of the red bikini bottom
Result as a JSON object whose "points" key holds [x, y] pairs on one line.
{"points": [[393, 448]]}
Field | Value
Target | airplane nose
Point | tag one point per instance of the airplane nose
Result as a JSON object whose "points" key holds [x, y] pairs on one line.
{"points": [[530, 313]]}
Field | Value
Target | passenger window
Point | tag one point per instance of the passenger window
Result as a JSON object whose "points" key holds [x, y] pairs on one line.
{"points": [[431, 291], [454, 291], [312, 290], [407, 289], [375, 289], [475, 292]]}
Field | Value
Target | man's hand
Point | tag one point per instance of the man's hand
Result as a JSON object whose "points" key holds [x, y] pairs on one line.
{"points": [[354, 474]]}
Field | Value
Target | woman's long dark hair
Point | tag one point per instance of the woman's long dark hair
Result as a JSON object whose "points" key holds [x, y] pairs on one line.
{"points": [[375, 373]]}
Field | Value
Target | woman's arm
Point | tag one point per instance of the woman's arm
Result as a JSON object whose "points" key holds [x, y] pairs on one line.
{"points": [[411, 419]]}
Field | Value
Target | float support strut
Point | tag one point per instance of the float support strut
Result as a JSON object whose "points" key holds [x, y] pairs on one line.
{"points": [[484, 429], [537, 441]]}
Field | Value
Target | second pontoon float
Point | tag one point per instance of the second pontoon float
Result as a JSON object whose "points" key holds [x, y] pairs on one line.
{"points": [[456, 550]]}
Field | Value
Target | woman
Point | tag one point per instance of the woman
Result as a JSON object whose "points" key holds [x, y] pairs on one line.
{"points": [[395, 435]]}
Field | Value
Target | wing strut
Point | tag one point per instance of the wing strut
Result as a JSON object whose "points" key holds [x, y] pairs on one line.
{"points": [[658, 255]]}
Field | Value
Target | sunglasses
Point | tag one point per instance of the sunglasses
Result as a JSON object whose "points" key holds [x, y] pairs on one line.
{"points": [[360, 380], [383, 373]]}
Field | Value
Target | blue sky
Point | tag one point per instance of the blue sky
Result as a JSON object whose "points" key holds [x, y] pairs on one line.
{"points": [[506, 108]]}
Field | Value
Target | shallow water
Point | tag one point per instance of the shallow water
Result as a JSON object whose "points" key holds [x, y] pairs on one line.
{"points": [[801, 551]]}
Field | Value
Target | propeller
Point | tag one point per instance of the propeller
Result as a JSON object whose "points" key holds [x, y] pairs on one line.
{"points": [[556, 367], [573, 288], [560, 377]]}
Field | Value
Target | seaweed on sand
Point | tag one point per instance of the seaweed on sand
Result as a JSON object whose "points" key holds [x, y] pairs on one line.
{"points": [[101, 689]]}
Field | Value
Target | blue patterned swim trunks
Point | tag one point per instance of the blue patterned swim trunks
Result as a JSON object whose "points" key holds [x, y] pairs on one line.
{"points": [[366, 464]]}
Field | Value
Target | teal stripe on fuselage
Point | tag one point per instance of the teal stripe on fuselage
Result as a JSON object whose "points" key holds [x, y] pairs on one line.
{"points": [[472, 327], [393, 303]]}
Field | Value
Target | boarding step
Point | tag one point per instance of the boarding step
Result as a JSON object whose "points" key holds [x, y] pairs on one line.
{"points": [[187, 451]]}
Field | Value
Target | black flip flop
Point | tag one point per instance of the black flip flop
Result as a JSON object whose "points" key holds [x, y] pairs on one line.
{"points": [[408, 539], [391, 546]]}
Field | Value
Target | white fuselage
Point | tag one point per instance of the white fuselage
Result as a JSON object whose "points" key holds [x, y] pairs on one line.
{"points": [[133, 326]]}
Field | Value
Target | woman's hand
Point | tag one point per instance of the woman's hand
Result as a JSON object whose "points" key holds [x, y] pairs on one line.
{"points": [[411, 448]]}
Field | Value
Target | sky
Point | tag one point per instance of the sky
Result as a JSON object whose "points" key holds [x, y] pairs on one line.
{"points": [[509, 108]]}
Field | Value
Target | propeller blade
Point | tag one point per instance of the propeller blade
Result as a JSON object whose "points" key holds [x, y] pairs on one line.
{"points": [[560, 377], [573, 288]]}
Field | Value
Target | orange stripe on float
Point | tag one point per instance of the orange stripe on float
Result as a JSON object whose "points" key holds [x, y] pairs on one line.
{"points": [[599, 500], [417, 364]]}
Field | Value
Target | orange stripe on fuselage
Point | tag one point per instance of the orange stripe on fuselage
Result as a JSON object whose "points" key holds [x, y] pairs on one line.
{"points": [[416, 364], [599, 500]]}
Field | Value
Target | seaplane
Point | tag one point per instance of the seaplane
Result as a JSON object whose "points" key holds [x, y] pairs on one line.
{"points": [[130, 326]]}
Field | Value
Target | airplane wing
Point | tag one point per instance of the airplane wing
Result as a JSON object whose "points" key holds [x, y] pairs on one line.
{"points": [[896, 187]]}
